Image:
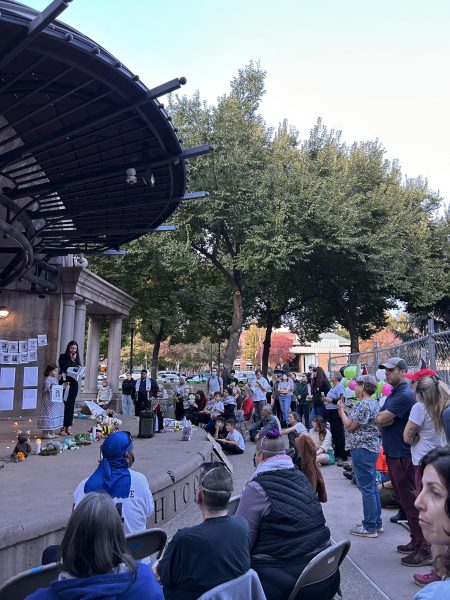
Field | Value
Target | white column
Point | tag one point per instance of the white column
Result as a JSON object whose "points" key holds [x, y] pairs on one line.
{"points": [[93, 352], [68, 320], [79, 330], [114, 348]]}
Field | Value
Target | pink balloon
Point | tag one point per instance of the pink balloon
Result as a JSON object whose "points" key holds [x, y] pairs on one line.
{"points": [[352, 385], [386, 389]]}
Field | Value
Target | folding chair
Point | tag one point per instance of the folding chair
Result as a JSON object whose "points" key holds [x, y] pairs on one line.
{"points": [[247, 586], [147, 542], [23, 584], [323, 567], [233, 505]]}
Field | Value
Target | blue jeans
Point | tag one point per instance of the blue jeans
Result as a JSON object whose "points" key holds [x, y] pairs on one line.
{"points": [[285, 404], [365, 474]]}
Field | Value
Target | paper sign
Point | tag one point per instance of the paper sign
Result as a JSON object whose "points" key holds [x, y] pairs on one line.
{"points": [[13, 346], [6, 359], [23, 345], [32, 355], [42, 339], [15, 358], [23, 357], [30, 376], [32, 344], [29, 399], [3, 345], [6, 399], [7, 377], [76, 372], [57, 393]]}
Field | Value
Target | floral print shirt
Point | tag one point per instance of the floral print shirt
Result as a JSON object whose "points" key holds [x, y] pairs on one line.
{"points": [[367, 435]]}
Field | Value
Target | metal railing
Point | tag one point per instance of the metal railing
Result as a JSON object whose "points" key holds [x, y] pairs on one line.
{"points": [[432, 350]]}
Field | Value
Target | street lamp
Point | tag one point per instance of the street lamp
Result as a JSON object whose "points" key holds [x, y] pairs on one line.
{"points": [[219, 333], [132, 330]]}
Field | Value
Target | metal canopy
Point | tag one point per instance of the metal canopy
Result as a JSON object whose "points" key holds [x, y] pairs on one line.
{"points": [[89, 158]]}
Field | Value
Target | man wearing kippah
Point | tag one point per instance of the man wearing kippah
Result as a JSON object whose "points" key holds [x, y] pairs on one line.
{"points": [[392, 420]]}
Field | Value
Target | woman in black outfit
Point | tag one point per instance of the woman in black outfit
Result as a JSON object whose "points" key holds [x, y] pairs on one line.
{"points": [[70, 358], [320, 386]]}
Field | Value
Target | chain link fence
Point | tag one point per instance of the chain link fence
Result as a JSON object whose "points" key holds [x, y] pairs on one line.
{"points": [[432, 351]]}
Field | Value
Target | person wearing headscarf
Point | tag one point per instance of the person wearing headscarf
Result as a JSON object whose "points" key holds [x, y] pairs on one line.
{"points": [[128, 488]]}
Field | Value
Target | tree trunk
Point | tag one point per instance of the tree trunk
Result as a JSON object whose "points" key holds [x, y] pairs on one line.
{"points": [[267, 343], [236, 327], [352, 321], [155, 353]]}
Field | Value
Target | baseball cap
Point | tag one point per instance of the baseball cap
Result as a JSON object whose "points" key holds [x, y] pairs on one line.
{"points": [[421, 374], [394, 363]]}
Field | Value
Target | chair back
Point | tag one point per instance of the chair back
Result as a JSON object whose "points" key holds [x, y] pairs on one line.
{"points": [[247, 585], [147, 542], [233, 505], [23, 584], [322, 567]]}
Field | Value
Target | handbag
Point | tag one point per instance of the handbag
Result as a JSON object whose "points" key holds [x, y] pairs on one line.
{"points": [[331, 456]]}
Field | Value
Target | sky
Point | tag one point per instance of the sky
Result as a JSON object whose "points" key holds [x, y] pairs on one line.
{"points": [[369, 68]]}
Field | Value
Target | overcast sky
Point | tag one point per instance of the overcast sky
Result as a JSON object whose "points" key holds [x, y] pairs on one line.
{"points": [[370, 68]]}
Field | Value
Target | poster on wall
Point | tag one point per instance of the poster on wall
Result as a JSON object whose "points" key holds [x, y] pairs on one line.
{"points": [[32, 344], [42, 339], [6, 399], [23, 358], [32, 356], [3, 345], [30, 376], [7, 377], [23, 346], [6, 359], [15, 358], [29, 399], [13, 346]]}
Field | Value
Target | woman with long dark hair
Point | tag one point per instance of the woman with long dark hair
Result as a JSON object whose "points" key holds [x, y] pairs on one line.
{"points": [[320, 386], [95, 558], [70, 358], [433, 504]]}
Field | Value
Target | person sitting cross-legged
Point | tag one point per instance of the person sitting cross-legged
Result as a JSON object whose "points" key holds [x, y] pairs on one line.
{"points": [[234, 442], [268, 422], [95, 558], [287, 525], [218, 550]]}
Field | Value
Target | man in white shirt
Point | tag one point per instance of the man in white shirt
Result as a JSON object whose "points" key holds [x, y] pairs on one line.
{"points": [[259, 388], [129, 489], [234, 442]]}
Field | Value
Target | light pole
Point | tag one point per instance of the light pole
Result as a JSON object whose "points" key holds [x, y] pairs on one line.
{"points": [[219, 333], [132, 330]]}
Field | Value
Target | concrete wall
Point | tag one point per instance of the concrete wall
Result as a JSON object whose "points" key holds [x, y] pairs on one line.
{"points": [[30, 316]]}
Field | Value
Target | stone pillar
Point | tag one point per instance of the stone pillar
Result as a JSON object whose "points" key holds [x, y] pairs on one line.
{"points": [[114, 347], [68, 320], [92, 353], [79, 329]]}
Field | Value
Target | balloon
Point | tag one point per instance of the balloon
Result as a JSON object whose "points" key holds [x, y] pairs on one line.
{"points": [[386, 389], [352, 385], [351, 371], [346, 384], [380, 386], [381, 375]]}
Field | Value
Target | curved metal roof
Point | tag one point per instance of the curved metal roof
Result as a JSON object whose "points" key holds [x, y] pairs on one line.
{"points": [[74, 123]]}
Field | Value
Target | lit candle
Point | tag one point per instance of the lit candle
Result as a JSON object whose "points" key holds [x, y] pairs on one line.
{"points": [[38, 445], [16, 424]]}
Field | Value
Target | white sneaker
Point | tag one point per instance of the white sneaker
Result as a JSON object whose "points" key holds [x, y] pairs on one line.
{"points": [[361, 532]]}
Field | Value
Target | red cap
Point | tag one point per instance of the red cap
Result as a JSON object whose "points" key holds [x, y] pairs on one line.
{"points": [[421, 374]]}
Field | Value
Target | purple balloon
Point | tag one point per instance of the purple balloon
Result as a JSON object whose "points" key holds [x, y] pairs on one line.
{"points": [[386, 389], [352, 385]]}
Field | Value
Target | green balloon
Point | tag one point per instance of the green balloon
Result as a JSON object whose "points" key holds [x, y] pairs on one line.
{"points": [[351, 371], [346, 383], [380, 386]]}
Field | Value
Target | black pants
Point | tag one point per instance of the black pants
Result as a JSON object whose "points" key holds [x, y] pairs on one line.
{"points": [[337, 433], [179, 410], [69, 404], [231, 449]]}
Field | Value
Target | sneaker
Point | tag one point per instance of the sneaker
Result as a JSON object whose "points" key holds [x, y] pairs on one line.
{"points": [[400, 516], [347, 467], [361, 532], [380, 529], [339, 462], [348, 475], [406, 548], [422, 579], [417, 559]]}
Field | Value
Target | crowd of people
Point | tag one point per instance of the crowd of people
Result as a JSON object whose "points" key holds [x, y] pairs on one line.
{"points": [[298, 425]]}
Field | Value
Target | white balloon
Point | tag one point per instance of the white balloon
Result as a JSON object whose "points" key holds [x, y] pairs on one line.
{"points": [[381, 375]]}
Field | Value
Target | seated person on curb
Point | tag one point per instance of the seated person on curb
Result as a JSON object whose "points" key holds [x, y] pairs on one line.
{"points": [[218, 550], [128, 488], [321, 436], [217, 409], [220, 431], [95, 558], [287, 526], [204, 415], [229, 403], [268, 422], [294, 429], [234, 442]]}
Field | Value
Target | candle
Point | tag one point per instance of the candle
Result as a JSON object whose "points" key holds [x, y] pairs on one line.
{"points": [[94, 433], [38, 445]]}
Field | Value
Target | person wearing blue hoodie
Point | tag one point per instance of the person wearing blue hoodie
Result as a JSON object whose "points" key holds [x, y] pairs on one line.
{"points": [[95, 559]]}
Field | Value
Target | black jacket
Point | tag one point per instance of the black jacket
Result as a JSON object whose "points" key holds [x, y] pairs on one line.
{"points": [[129, 388]]}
